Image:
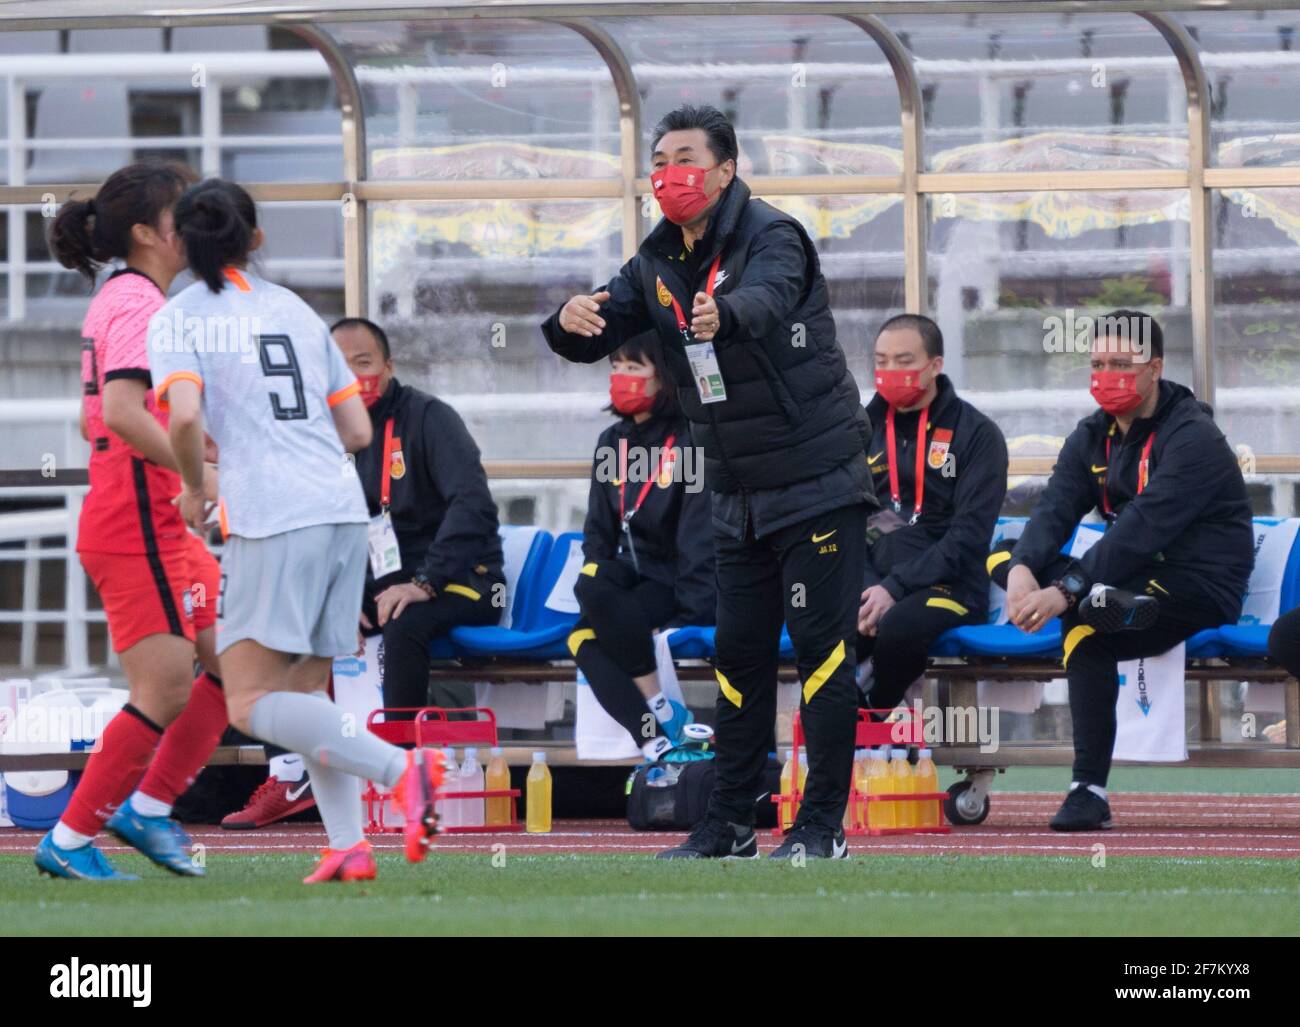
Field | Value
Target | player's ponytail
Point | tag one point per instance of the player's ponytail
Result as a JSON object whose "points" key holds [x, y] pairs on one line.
{"points": [[87, 234], [217, 221]]}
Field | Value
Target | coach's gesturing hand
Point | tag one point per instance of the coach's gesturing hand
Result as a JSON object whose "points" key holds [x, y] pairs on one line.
{"points": [[393, 600], [581, 315], [705, 319]]}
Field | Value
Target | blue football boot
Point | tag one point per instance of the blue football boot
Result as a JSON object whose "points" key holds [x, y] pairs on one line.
{"points": [[84, 864], [159, 838]]}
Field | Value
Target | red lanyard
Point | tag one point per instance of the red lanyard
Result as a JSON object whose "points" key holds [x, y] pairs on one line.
{"points": [[386, 486], [918, 487], [682, 325], [666, 457], [1143, 473]]}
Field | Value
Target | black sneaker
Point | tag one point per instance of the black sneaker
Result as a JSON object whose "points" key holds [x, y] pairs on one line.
{"points": [[812, 842], [716, 839], [1107, 609], [1082, 810]]}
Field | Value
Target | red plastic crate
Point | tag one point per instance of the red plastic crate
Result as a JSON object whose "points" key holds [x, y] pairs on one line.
{"points": [[431, 727], [870, 733]]}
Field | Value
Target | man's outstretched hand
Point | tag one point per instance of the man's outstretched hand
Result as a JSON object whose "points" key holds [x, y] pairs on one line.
{"points": [[581, 315]]}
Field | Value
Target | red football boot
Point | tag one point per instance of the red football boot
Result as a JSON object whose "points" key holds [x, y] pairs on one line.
{"points": [[273, 800], [414, 793], [354, 864]]}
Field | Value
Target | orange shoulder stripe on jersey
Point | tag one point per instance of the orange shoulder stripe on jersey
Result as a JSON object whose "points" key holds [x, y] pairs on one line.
{"points": [[221, 517], [344, 393], [160, 393], [235, 278]]}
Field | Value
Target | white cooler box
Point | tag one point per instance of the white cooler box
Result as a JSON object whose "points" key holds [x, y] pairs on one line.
{"points": [[50, 715]]}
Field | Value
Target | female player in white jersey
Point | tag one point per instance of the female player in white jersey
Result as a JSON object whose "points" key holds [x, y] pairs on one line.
{"points": [[158, 583], [252, 363]]}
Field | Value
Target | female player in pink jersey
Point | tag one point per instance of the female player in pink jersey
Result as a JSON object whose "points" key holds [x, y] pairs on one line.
{"points": [[158, 582]]}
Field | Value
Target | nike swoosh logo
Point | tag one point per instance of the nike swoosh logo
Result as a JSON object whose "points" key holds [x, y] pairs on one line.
{"points": [[1098, 470], [292, 796], [838, 849], [823, 538], [740, 846], [873, 459], [62, 862]]}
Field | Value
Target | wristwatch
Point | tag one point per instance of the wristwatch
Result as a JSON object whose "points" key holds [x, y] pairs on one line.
{"points": [[424, 585], [1071, 585]]}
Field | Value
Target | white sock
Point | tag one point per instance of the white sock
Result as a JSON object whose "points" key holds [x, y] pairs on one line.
{"points": [[322, 733], [287, 768], [338, 797], [147, 806], [66, 838], [1096, 790], [656, 747], [660, 707]]}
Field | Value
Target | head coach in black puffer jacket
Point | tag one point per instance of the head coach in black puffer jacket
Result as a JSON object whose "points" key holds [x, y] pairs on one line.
{"points": [[734, 288]]}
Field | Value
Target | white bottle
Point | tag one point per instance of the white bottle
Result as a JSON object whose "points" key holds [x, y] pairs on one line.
{"points": [[449, 809], [472, 812]]}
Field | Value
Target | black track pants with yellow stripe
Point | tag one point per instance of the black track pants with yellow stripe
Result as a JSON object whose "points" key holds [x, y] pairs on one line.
{"points": [[1092, 659], [808, 575], [900, 648]]}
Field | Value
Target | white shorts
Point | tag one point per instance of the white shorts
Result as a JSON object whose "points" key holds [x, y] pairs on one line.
{"points": [[297, 592]]}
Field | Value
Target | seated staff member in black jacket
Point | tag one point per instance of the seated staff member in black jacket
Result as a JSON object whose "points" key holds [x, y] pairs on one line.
{"points": [[648, 550], [734, 289], [1176, 555], [940, 471], [440, 564]]}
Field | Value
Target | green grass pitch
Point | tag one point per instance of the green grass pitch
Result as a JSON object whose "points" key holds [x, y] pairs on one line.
{"points": [[464, 894]]}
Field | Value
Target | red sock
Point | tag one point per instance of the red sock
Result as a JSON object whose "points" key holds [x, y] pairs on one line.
{"points": [[111, 773], [188, 742]]}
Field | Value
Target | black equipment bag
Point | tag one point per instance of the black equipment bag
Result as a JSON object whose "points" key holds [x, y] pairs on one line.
{"points": [[675, 796]]}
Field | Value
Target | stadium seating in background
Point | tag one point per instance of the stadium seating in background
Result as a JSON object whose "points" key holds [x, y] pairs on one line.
{"points": [[220, 39], [89, 110], [143, 40]]}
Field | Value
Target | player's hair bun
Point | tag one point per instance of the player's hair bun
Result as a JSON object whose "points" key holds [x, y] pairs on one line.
{"points": [[216, 219]]}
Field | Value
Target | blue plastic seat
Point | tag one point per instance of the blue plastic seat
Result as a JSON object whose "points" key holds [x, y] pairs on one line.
{"points": [[1000, 640], [525, 550], [541, 631], [1249, 637], [1204, 645], [697, 643]]}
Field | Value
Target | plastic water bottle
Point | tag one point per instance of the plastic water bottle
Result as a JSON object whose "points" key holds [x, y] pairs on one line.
{"points": [[880, 815], [787, 777], [449, 810], [498, 780], [861, 775], [539, 795], [901, 780], [471, 780], [927, 780]]}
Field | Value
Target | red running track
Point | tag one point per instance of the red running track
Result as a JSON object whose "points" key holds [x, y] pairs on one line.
{"points": [[1148, 824]]}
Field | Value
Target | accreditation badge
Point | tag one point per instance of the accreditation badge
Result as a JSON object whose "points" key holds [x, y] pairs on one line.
{"points": [[381, 541], [397, 465], [705, 372]]}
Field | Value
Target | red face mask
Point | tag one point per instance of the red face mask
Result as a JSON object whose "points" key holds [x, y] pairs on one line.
{"points": [[370, 393], [627, 393], [901, 387], [679, 188], [1116, 392]]}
